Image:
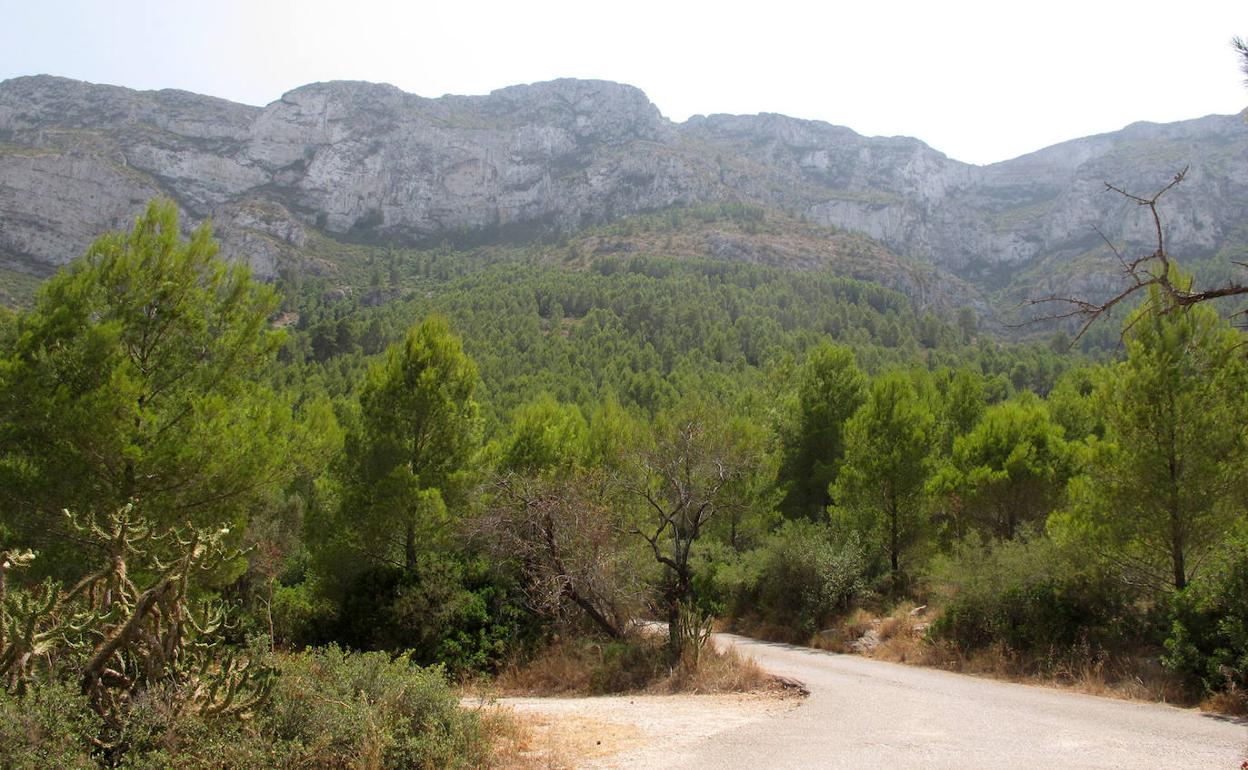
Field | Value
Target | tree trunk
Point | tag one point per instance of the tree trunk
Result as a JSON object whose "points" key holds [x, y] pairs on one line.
{"points": [[1176, 516], [673, 628], [1180, 569], [893, 537], [268, 611], [599, 619], [678, 592], [409, 547], [129, 478]]}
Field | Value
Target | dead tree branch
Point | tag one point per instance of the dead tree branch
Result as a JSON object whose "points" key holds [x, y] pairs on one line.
{"points": [[1151, 272], [568, 545]]}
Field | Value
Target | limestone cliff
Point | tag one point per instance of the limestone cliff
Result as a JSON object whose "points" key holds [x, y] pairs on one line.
{"points": [[368, 162]]}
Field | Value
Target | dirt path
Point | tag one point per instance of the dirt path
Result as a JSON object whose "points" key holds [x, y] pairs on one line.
{"points": [[637, 731], [867, 713]]}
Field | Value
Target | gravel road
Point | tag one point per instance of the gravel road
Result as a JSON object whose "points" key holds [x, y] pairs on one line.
{"points": [[865, 713]]}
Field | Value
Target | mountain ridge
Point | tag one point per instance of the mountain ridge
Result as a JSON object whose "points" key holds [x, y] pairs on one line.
{"points": [[172, 93], [369, 162]]}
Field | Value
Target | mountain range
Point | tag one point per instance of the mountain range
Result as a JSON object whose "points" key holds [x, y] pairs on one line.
{"points": [[365, 163]]}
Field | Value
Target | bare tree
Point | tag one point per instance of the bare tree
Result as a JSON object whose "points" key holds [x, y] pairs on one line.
{"points": [[1175, 291], [683, 482], [569, 546]]}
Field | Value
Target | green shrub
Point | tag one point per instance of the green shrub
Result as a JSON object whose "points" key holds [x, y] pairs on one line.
{"points": [[1208, 640], [627, 665], [331, 709], [299, 614], [448, 609], [801, 578], [157, 735], [1036, 617], [49, 726], [1028, 596]]}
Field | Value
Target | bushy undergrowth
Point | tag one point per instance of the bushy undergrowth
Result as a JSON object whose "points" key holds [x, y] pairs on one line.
{"points": [[585, 665], [328, 709], [588, 666], [449, 609], [1034, 610], [47, 727], [1208, 639], [1032, 599], [331, 707], [795, 583]]}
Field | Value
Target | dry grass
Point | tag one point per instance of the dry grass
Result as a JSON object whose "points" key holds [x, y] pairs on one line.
{"points": [[900, 637], [1131, 677], [1233, 701], [901, 623], [561, 668], [758, 628], [591, 667], [524, 742], [717, 672]]}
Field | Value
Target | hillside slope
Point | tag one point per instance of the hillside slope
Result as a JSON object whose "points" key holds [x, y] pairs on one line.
{"points": [[368, 163]]}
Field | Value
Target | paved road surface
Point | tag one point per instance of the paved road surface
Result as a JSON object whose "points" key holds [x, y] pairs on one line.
{"points": [[863, 713]]}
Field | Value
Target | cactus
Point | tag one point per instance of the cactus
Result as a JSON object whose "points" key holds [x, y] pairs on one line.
{"points": [[124, 636], [693, 632], [28, 630]]}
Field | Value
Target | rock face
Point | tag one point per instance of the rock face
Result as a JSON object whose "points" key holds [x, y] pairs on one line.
{"points": [[982, 222], [369, 162]]}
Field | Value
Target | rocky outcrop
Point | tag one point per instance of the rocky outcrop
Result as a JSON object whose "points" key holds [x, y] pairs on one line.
{"points": [[975, 220], [368, 162], [357, 160]]}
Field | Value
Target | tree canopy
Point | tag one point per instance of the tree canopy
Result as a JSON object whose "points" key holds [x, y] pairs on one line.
{"points": [[830, 389], [882, 484], [1167, 482], [140, 375], [408, 459], [1009, 470]]}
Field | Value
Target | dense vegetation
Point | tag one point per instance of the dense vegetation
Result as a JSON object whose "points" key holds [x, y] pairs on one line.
{"points": [[467, 456]]}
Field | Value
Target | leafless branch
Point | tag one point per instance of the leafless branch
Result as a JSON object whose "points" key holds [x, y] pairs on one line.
{"points": [[1150, 271], [568, 546]]}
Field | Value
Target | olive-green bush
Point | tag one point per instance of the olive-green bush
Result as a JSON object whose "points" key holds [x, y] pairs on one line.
{"points": [[1030, 597], [328, 709], [801, 578], [1208, 639]]}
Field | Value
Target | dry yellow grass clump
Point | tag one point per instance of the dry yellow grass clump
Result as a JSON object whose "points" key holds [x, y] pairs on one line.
{"points": [[1233, 701], [899, 636], [636, 664], [717, 672], [526, 742]]}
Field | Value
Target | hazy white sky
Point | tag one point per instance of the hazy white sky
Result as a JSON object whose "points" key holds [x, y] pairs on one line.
{"points": [[979, 81]]}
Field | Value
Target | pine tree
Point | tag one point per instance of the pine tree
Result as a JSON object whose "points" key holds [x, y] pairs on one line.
{"points": [[829, 391], [880, 489], [139, 374], [1010, 470], [1165, 484], [411, 454]]}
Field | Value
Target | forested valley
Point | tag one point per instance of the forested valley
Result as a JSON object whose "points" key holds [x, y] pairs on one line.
{"points": [[250, 524]]}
